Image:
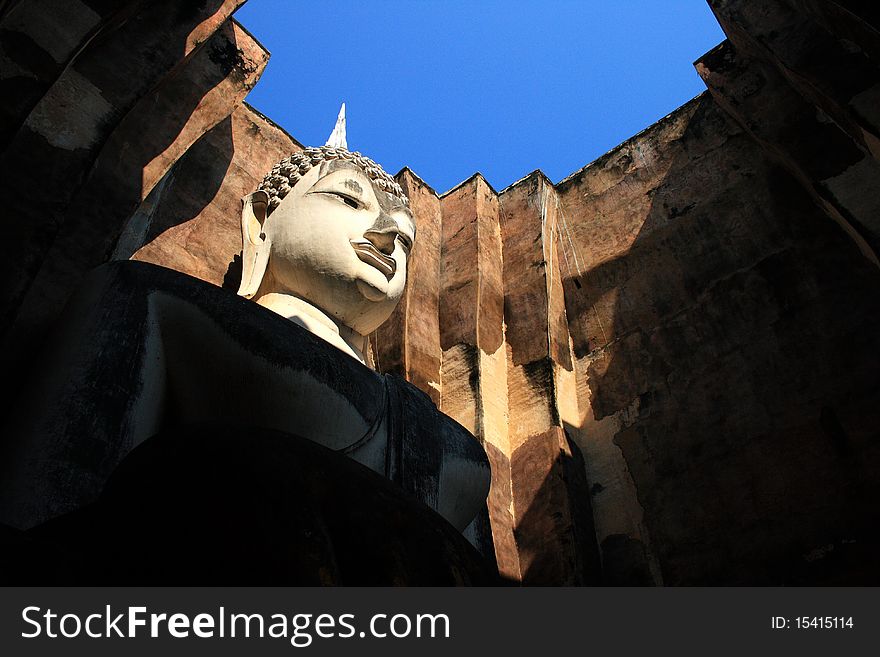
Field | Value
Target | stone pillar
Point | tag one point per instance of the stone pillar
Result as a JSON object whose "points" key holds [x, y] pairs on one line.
{"points": [[474, 372], [833, 72], [408, 344], [65, 131], [44, 35], [553, 525], [779, 77], [55, 237]]}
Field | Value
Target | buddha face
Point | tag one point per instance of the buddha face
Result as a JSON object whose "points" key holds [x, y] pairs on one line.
{"points": [[340, 243]]}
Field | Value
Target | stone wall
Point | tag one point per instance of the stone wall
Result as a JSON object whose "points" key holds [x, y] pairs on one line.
{"points": [[670, 356], [719, 324], [104, 97]]}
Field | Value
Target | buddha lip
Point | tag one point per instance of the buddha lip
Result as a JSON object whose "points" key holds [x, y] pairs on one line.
{"points": [[374, 257]]}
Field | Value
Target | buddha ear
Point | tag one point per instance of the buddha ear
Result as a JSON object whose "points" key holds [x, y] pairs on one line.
{"points": [[254, 244]]}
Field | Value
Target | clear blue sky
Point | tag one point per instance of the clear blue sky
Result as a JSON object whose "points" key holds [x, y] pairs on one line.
{"points": [[452, 87]]}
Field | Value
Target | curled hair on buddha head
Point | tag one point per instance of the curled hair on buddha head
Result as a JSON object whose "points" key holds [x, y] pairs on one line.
{"points": [[284, 175]]}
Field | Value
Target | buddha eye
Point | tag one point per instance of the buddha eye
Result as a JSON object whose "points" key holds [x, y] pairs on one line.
{"points": [[350, 201]]}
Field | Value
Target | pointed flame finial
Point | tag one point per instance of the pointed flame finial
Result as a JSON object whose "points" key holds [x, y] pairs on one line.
{"points": [[337, 137]]}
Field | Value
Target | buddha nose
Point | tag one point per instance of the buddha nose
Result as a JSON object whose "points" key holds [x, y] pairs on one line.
{"points": [[382, 233]]}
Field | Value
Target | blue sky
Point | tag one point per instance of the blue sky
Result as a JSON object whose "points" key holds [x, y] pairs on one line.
{"points": [[451, 87]]}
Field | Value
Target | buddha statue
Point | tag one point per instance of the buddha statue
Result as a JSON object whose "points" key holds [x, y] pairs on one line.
{"points": [[325, 243], [142, 351]]}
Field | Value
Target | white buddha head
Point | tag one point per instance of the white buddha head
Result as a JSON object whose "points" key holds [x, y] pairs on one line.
{"points": [[330, 228]]}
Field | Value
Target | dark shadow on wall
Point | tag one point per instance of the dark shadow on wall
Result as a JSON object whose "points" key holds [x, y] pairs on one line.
{"points": [[554, 535], [128, 68], [745, 329], [59, 236], [620, 560], [197, 178], [115, 183], [232, 277], [33, 69]]}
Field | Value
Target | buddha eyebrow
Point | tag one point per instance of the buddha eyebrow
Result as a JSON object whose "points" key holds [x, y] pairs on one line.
{"points": [[354, 186]]}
